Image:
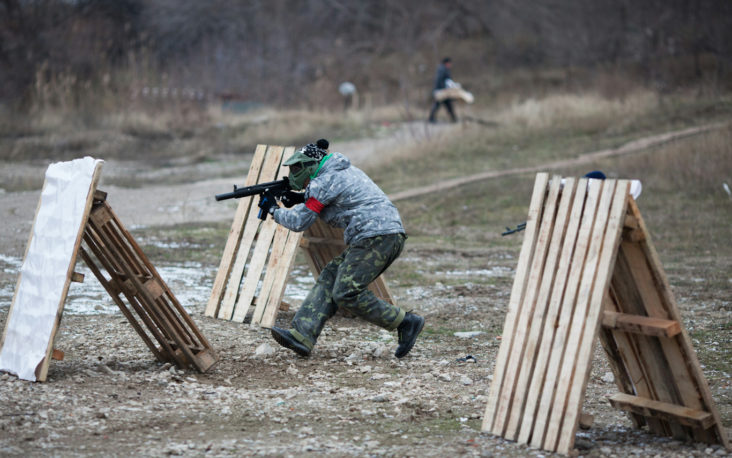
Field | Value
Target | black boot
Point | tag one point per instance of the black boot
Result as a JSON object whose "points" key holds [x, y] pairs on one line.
{"points": [[286, 339], [408, 331]]}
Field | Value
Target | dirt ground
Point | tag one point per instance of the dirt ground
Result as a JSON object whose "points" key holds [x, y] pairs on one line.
{"points": [[352, 397]]}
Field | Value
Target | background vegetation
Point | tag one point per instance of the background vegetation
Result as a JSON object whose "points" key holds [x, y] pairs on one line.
{"points": [[98, 55]]}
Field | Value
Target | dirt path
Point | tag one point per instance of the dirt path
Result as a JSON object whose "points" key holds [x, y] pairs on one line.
{"points": [[634, 146], [170, 204]]}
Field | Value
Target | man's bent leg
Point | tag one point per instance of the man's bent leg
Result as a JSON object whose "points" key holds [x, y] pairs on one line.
{"points": [[317, 307], [363, 262]]}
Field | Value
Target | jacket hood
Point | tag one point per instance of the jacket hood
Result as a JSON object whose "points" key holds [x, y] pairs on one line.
{"points": [[337, 161]]}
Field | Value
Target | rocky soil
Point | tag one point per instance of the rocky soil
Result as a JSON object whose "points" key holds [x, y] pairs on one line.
{"points": [[109, 396]]}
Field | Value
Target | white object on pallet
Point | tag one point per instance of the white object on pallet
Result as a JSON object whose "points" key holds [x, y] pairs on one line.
{"points": [[46, 271]]}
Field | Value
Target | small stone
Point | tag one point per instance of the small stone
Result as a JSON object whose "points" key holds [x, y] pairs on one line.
{"points": [[445, 377], [606, 450], [608, 377], [467, 334], [380, 351], [371, 444], [264, 350], [379, 398], [465, 380], [581, 444]]}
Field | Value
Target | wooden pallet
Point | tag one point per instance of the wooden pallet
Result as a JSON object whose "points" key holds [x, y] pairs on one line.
{"points": [[126, 273], [105, 246], [259, 255], [587, 264]]}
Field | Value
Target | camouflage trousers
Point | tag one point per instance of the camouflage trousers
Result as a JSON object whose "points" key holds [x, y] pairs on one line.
{"points": [[343, 283]]}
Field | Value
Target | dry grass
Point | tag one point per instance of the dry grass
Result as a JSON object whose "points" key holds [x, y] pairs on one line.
{"points": [[588, 111], [537, 131]]}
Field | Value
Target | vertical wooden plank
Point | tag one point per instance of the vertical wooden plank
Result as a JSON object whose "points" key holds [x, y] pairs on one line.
{"points": [[281, 274], [275, 256], [541, 308], [232, 243], [520, 346], [517, 293], [562, 326], [577, 324], [564, 238], [613, 226], [259, 256], [268, 173]]}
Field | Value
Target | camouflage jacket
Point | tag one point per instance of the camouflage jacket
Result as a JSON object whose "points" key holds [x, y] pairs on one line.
{"points": [[343, 196]]}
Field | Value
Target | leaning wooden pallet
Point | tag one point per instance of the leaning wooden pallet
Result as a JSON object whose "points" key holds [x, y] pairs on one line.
{"points": [[151, 307], [259, 255], [114, 258], [587, 267]]}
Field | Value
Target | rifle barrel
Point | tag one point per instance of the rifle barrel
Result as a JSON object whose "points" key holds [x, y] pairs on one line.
{"points": [[274, 186]]}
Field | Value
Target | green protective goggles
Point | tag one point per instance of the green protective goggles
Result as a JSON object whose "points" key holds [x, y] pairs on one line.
{"points": [[300, 172]]}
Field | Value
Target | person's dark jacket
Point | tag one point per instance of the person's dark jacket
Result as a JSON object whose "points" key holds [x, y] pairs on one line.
{"points": [[443, 74]]}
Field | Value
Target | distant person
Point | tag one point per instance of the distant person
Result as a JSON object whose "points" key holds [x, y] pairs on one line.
{"points": [[343, 196], [443, 81]]}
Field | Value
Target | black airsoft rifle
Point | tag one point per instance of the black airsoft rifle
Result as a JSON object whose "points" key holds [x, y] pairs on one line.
{"points": [[268, 193], [518, 228]]}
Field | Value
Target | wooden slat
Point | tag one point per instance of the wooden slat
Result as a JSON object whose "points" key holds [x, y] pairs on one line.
{"points": [[629, 348], [515, 302], [234, 239], [280, 275], [609, 231], [536, 337], [692, 386], [268, 173], [560, 280], [613, 268], [646, 350], [562, 326], [576, 326], [114, 293], [638, 324], [525, 316], [148, 295], [648, 407], [275, 258], [259, 255]]}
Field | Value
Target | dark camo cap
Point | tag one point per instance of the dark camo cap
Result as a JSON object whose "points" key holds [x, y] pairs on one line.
{"points": [[309, 152]]}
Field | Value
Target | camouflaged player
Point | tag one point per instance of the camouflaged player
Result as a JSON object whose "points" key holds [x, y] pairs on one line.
{"points": [[345, 197]]}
